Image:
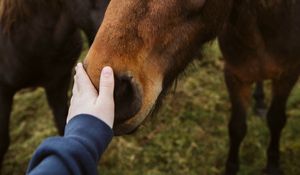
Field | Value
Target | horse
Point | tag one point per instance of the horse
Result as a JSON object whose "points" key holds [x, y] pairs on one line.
{"points": [[149, 43], [40, 41], [260, 41]]}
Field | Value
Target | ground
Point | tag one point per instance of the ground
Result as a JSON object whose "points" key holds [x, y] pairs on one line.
{"points": [[187, 137]]}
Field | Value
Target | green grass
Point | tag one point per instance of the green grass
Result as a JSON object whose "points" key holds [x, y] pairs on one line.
{"points": [[188, 136]]}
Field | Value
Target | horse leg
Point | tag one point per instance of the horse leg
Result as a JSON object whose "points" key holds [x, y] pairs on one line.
{"points": [[259, 97], [276, 119], [6, 98], [239, 94], [57, 96]]}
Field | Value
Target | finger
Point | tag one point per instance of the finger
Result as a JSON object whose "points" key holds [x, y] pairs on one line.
{"points": [[83, 82], [72, 99], [106, 86], [74, 88]]}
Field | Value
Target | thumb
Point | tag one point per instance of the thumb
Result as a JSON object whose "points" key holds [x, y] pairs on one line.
{"points": [[106, 86]]}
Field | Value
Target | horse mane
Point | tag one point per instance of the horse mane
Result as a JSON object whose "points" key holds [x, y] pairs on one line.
{"points": [[15, 11]]}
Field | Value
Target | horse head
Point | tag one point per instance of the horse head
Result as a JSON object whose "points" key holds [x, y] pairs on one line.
{"points": [[148, 44]]}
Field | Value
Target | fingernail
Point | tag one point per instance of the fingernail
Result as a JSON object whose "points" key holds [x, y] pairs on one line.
{"points": [[107, 71]]}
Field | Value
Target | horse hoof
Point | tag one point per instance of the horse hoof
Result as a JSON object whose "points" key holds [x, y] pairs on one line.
{"points": [[272, 171]]}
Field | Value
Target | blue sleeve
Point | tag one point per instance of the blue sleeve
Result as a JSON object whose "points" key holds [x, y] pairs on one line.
{"points": [[78, 152]]}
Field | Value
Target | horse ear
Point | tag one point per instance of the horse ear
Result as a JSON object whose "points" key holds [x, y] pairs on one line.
{"points": [[197, 4]]}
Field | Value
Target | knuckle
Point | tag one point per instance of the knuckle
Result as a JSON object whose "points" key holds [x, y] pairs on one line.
{"points": [[107, 83]]}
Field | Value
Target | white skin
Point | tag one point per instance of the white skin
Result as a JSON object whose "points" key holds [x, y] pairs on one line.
{"points": [[86, 100]]}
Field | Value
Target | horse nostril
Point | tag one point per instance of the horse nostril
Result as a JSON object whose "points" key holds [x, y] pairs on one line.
{"points": [[128, 99]]}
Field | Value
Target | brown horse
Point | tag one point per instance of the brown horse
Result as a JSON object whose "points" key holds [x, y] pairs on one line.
{"points": [[40, 42], [149, 43], [260, 41], [139, 43]]}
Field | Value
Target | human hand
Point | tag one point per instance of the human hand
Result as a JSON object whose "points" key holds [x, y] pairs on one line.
{"points": [[86, 100]]}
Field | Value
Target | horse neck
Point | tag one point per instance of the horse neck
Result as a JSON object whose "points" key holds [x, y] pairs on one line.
{"points": [[45, 25], [16, 11]]}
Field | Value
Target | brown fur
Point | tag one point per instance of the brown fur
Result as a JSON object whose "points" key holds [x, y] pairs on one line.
{"points": [[15, 11], [153, 42], [260, 41], [40, 41]]}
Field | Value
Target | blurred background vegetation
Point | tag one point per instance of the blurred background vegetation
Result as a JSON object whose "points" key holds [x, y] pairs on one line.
{"points": [[188, 135]]}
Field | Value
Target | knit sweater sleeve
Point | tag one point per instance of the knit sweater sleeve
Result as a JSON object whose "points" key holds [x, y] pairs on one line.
{"points": [[78, 152]]}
